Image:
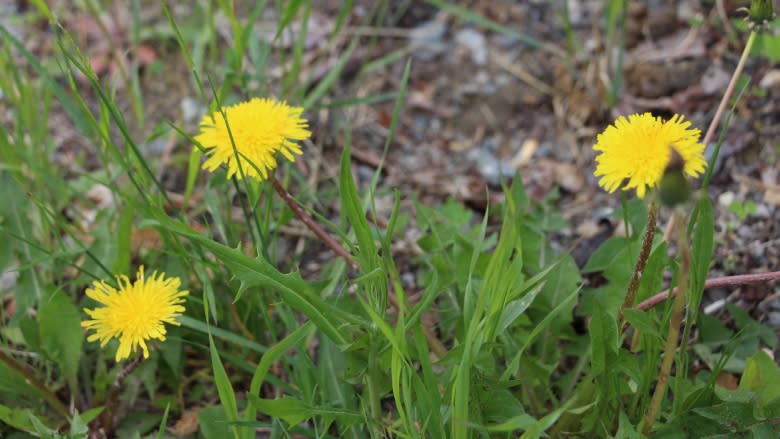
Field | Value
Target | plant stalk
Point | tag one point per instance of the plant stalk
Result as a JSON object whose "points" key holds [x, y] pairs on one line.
{"points": [[112, 403], [639, 268], [674, 327]]}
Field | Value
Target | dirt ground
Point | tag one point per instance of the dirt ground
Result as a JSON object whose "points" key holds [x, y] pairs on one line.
{"points": [[484, 104]]}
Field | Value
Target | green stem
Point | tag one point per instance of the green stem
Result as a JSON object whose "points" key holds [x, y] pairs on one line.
{"points": [[639, 268], [674, 327], [372, 383], [32, 380], [722, 106]]}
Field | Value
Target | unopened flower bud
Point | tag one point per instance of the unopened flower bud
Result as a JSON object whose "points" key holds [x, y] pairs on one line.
{"points": [[674, 188]]}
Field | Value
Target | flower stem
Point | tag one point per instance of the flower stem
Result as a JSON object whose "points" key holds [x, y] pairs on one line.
{"points": [[716, 120], [112, 403], [312, 225], [639, 268], [729, 89], [32, 380], [674, 328]]}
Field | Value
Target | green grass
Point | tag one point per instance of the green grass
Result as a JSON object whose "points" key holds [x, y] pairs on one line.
{"points": [[482, 345]]}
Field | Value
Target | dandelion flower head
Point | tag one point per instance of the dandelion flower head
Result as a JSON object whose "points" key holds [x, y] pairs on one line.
{"points": [[260, 128], [134, 313], [639, 147]]}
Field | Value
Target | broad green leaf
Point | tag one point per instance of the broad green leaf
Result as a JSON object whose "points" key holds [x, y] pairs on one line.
{"points": [[265, 363], [20, 419], [603, 339], [519, 422], [701, 252], [762, 376], [294, 411], [214, 423], [613, 251], [643, 322], [61, 335], [653, 276]]}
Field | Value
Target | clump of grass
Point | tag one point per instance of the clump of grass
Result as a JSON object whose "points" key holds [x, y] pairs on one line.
{"points": [[481, 344]]}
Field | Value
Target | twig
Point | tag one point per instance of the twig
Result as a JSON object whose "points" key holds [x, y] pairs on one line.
{"points": [[312, 225], [726, 281]]}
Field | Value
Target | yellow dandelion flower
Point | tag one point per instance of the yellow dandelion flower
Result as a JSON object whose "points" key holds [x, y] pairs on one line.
{"points": [[639, 147], [260, 128], [136, 312]]}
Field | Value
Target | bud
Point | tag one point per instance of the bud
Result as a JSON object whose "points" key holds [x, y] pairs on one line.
{"points": [[760, 12], [674, 188]]}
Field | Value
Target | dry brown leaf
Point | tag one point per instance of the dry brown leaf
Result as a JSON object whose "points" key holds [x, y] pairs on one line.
{"points": [[187, 424]]}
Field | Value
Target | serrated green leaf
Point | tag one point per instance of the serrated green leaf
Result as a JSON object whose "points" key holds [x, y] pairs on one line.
{"points": [[643, 322]]}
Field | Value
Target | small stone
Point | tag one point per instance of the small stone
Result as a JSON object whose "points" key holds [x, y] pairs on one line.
{"points": [[408, 279], [774, 318], [486, 163], [771, 79], [726, 198], [475, 42], [775, 304], [192, 111], [426, 39], [745, 231], [772, 196], [762, 211], [8, 280]]}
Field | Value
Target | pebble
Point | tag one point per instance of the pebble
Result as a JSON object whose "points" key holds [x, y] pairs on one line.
{"points": [[486, 163], [408, 280], [156, 146], [709, 151], [8, 280], [774, 318], [726, 198], [426, 39], [489, 166], [762, 211], [474, 41], [771, 79], [192, 111]]}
